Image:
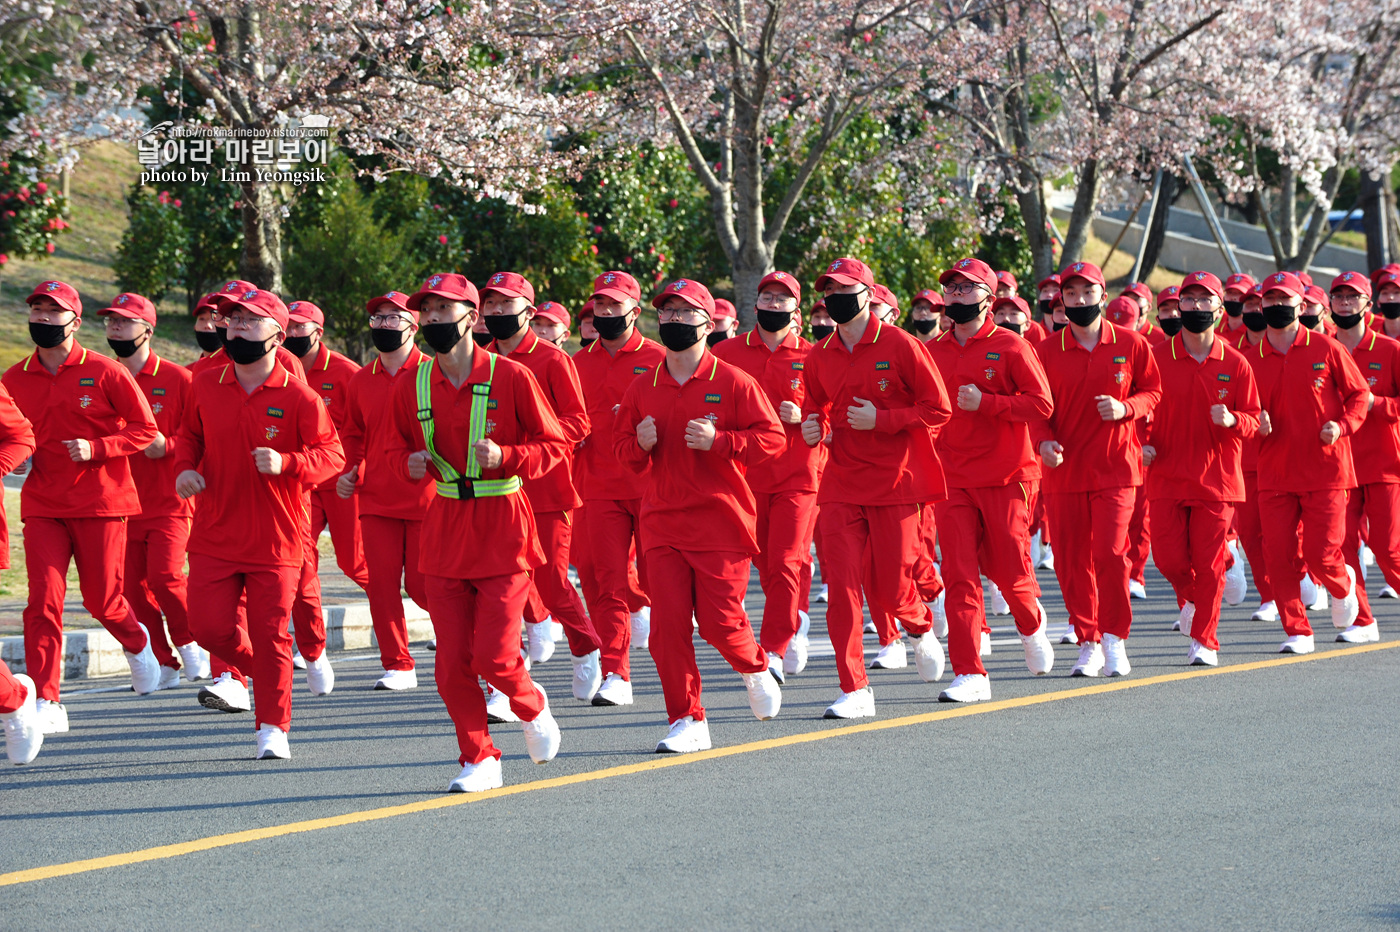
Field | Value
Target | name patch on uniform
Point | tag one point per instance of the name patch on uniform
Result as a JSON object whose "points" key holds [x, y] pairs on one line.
{"points": [[994, 355], [882, 365], [638, 370], [711, 399], [1319, 365], [1222, 377], [1120, 359], [274, 412], [797, 365], [491, 404], [157, 391], [87, 381], [326, 386], [1373, 365]]}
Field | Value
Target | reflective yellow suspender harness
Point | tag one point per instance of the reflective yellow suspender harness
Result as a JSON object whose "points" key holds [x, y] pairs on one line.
{"points": [[454, 484]]}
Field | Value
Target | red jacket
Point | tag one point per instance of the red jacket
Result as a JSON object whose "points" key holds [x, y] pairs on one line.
{"points": [[244, 516], [220, 358], [778, 372], [383, 489], [329, 377], [166, 388], [895, 463], [90, 398], [991, 446], [493, 535], [1153, 334], [557, 378], [1375, 448], [699, 499], [1316, 381], [604, 378], [16, 445], [1035, 333], [1196, 460], [1098, 454]]}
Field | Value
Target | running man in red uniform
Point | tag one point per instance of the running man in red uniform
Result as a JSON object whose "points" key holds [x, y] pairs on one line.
{"points": [[19, 697]]}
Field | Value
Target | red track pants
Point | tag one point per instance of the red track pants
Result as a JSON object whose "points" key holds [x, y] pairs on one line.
{"points": [[551, 586], [1250, 534], [155, 583], [1379, 504], [342, 516], [1190, 551], [612, 530], [1323, 514], [1139, 535], [391, 561], [12, 691], [1092, 531], [786, 521]]}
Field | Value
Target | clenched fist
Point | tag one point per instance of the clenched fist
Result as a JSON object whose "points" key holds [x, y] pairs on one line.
{"points": [[646, 433], [487, 453], [418, 465], [189, 483], [789, 413], [1222, 416], [268, 461], [969, 397], [1051, 453], [700, 434]]}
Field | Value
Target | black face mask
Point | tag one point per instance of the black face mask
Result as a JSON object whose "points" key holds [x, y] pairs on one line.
{"points": [[223, 335], [1083, 316], [926, 326], [962, 313], [246, 352], [441, 338], [209, 340], [298, 346], [717, 337], [1198, 321], [385, 340], [1345, 321], [773, 321], [1008, 325], [1309, 320], [1255, 322], [1279, 316], [124, 349], [1171, 326], [482, 340], [1060, 326], [505, 326], [47, 336], [1234, 308], [1390, 310], [678, 336], [843, 308], [611, 328], [1045, 310], [586, 341], [822, 331]]}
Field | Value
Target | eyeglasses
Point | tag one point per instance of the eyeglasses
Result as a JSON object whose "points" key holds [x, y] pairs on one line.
{"points": [[245, 321], [1347, 298], [388, 321], [1194, 304], [687, 315], [774, 299], [963, 288]]}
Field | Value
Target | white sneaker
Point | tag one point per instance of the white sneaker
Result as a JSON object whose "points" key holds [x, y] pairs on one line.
{"points": [[1115, 656], [869, 628], [614, 691], [196, 661], [824, 593], [795, 660], [939, 607], [1345, 611], [498, 710], [1297, 644], [145, 669], [225, 694], [432, 645], [588, 675], [1367, 557], [999, 606], [685, 737], [1070, 636], [984, 649], [765, 695], [298, 661], [478, 778], [1235, 584], [272, 744], [967, 687], [24, 733], [929, 658], [893, 656], [1136, 590], [1267, 611], [641, 628], [169, 678], [557, 634], [320, 678], [1361, 634], [1388, 593], [1035, 549], [857, 704], [542, 735], [775, 669], [1201, 656], [1090, 661], [541, 644], [397, 680], [1040, 653], [1307, 591], [1047, 562], [1186, 618], [53, 717], [804, 624]]}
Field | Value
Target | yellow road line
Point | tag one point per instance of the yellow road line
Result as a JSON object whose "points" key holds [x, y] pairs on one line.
{"points": [[443, 802]]}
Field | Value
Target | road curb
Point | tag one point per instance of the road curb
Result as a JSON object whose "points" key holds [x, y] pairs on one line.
{"points": [[94, 654]]}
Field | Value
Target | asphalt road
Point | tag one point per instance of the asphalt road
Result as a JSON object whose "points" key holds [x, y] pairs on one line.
{"points": [[1261, 798]]}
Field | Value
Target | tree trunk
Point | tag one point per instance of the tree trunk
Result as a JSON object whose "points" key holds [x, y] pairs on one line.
{"points": [[262, 237], [1030, 196], [1288, 214], [747, 275], [1373, 219], [1157, 224], [1086, 198]]}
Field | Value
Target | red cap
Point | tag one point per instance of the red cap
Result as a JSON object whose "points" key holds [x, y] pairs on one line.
{"points": [[447, 285], [304, 312], [395, 299], [1018, 303], [586, 311], [1141, 291], [63, 294], [1352, 281], [1123, 311], [884, 296], [973, 270], [209, 302], [1282, 281], [129, 304], [509, 283], [237, 286], [261, 303], [617, 285], [1391, 269], [1305, 278], [929, 295], [1007, 279], [783, 280], [846, 271], [1169, 293], [1051, 279], [725, 308], [1315, 295], [1239, 282], [1083, 270], [691, 292], [553, 310], [821, 305], [1387, 278], [1205, 280]]}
